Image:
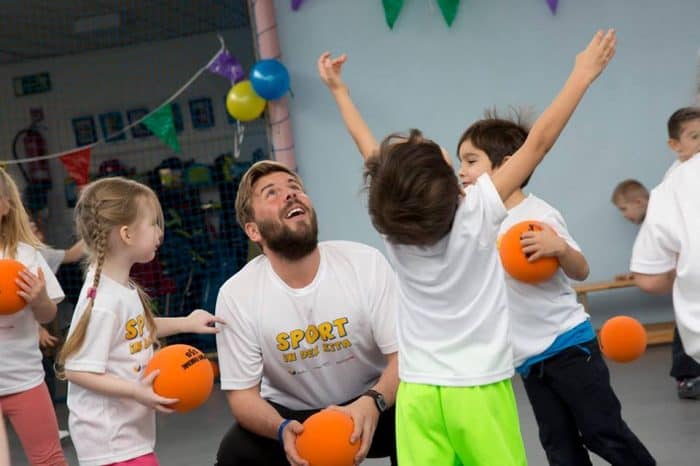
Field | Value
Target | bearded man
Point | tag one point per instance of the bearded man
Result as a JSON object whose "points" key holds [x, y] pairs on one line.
{"points": [[310, 326]]}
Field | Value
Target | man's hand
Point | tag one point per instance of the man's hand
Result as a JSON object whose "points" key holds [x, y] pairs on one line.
{"points": [[289, 439], [365, 416]]}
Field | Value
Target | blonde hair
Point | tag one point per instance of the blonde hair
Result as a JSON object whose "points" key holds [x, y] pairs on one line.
{"points": [[244, 197], [629, 190], [104, 205], [14, 227]]}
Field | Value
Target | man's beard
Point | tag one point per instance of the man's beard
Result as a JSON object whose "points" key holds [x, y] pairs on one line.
{"points": [[290, 244]]}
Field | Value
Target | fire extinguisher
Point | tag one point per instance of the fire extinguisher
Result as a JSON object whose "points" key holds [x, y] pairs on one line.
{"points": [[28, 143]]}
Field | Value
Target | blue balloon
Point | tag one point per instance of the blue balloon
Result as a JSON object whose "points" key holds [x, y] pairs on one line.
{"points": [[270, 79]]}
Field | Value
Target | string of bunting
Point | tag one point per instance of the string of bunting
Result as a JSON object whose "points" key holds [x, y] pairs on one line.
{"points": [[269, 80], [392, 9]]}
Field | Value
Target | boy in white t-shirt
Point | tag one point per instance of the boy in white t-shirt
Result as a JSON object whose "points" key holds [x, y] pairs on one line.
{"points": [[455, 403], [554, 344], [666, 253]]}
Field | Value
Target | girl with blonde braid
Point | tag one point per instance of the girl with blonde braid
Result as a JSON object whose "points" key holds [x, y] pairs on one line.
{"points": [[113, 331], [24, 398]]}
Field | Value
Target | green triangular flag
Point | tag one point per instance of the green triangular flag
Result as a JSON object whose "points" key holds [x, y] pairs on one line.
{"points": [[449, 10], [392, 8], [162, 125]]}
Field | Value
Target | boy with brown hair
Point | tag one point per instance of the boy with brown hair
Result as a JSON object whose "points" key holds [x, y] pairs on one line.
{"points": [[455, 354]]}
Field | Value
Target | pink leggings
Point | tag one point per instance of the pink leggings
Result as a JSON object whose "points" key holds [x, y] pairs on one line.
{"points": [[33, 418], [145, 460]]}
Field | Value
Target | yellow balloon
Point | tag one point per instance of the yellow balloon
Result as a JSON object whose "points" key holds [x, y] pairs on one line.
{"points": [[243, 103]]}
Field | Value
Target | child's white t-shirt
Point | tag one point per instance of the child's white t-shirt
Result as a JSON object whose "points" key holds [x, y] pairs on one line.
{"points": [[53, 257], [314, 346], [540, 313], [670, 238], [107, 429], [453, 322], [21, 367]]}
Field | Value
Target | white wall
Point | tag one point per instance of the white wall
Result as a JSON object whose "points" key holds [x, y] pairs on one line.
{"points": [[122, 79], [501, 52]]}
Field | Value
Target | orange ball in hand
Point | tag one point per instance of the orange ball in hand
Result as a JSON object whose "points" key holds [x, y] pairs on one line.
{"points": [[622, 339], [10, 301], [185, 374], [325, 440], [515, 261]]}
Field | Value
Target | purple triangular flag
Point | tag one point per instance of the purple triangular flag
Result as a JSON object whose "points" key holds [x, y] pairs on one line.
{"points": [[296, 4], [553, 5], [228, 66]]}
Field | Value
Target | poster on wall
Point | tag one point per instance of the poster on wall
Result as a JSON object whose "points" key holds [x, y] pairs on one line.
{"points": [[177, 117], [84, 130], [140, 130], [112, 126], [202, 113]]}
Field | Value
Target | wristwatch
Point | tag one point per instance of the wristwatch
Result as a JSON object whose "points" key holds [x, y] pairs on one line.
{"points": [[378, 398]]}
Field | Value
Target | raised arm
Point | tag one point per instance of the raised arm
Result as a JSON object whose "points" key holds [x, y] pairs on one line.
{"points": [[330, 70], [589, 64]]}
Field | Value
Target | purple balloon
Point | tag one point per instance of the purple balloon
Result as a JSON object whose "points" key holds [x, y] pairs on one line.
{"points": [[553, 5], [228, 66], [296, 4]]}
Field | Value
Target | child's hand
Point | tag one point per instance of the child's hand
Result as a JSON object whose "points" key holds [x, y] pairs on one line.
{"points": [[200, 321], [544, 243], [593, 60], [32, 287], [624, 277], [330, 69], [145, 395], [46, 340]]}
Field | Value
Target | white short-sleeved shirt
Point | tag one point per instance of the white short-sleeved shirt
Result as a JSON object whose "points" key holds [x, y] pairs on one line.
{"points": [[314, 346], [53, 257], [453, 319], [21, 367], [106, 429], [670, 238], [540, 313], [670, 169]]}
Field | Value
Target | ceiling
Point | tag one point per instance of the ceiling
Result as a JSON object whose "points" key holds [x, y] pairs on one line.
{"points": [[36, 29]]}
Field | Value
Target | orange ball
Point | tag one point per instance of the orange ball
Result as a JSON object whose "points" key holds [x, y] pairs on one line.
{"points": [[215, 368], [10, 301], [515, 261], [622, 339], [325, 440], [185, 374]]}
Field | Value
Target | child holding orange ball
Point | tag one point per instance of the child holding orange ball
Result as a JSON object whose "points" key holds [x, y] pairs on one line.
{"points": [[455, 403], [554, 344], [24, 397], [113, 331]]}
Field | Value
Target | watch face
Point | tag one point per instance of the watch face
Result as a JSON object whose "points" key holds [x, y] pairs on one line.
{"points": [[381, 403]]}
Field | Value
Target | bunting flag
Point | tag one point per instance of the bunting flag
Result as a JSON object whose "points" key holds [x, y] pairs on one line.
{"points": [[553, 5], [228, 66], [392, 8], [77, 164], [296, 4], [449, 10], [161, 123]]}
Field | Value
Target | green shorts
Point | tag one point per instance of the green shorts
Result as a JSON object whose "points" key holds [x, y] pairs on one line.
{"points": [[450, 426]]}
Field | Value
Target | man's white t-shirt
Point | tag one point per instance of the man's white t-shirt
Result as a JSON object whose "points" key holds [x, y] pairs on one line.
{"points": [[540, 313], [453, 319], [670, 238], [314, 346], [107, 429], [21, 367]]}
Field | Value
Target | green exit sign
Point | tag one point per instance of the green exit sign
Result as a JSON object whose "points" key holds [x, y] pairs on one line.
{"points": [[32, 84]]}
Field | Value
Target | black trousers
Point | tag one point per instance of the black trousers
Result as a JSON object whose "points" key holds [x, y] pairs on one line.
{"points": [[240, 447], [682, 365], [576, 409]]}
